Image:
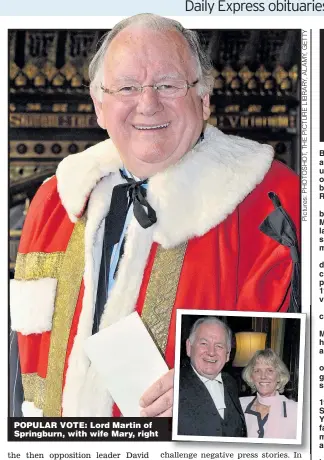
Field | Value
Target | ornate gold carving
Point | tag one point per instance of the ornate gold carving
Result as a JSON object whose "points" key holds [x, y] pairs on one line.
{"points": [[49, 70], [85, 108], [161, 293], [79, 47], [232, 108], [40, 53], [68, 70], [285, 84], [60, 107], [52, 120], [30, 70], [269, 84], [69, 280], [280, 74], [245, 73], [20, 80], [278, 109], [58, 80], [76, 81], [253, 121], [41, 46], [229, 73], [33, 107], [262, 73], [36, 265], [236, 83], [252, 84], [293, 73], [39, 80], [254, 108], [13, 70]]}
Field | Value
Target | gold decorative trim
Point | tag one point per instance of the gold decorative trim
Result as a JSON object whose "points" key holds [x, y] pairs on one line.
{"points": [[161, 293], [68, 286], [36, 265], [34, 389]]}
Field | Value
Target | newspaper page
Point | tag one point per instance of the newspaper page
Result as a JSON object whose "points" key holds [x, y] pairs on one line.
{"points": [[198, 332]]}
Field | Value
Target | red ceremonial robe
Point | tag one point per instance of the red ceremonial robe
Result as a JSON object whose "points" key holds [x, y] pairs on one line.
{"points": [[205, 252]]}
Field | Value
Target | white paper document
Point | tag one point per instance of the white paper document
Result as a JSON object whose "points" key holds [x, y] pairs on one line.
{"points": [[128, 361]]}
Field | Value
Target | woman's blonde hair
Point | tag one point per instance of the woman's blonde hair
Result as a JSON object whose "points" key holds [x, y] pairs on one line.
{"points": [[271, 358]]}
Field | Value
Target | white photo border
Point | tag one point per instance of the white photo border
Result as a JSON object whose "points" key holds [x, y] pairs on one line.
{"points": [[251, 314]]}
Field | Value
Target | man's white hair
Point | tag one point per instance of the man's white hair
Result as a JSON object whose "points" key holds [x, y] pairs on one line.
{"points": [[155, 22], [211, 320]]}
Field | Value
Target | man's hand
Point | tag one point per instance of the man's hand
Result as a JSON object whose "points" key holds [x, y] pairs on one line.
{"points": [[157, 401]]}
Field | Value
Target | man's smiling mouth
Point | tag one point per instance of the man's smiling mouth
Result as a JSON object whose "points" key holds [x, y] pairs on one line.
{"points": [[147, 128]]}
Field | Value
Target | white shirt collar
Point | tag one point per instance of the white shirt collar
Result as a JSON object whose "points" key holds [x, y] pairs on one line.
{"points": [[218, 377]]}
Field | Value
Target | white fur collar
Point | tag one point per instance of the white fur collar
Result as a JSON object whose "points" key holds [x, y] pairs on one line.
{"points": [[77, 175], [190, 197]]}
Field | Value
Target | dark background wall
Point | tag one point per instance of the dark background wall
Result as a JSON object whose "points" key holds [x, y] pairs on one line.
{"points": [[256, 95]]}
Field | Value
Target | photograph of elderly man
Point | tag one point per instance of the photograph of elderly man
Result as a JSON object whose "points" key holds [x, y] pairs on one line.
{"points": [[208, 398], [239, 375], [269, 414], [168, 212]]}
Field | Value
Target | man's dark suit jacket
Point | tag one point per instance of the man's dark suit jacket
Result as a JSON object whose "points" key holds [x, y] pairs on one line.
{"points": [[198, 415]]}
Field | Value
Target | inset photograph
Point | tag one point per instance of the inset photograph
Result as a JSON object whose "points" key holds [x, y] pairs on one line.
{"points": [[239, 377]]}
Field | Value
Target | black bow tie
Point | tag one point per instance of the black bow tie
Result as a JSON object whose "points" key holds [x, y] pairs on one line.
{"points": [[131, 192], [122, 197]]}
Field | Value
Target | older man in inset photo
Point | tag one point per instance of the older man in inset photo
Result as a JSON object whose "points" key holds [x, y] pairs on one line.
{"points": [[167, 213], [208, 398]]}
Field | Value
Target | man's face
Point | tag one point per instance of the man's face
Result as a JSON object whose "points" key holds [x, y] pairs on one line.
{"points": [[173, 125], [208, 353]]}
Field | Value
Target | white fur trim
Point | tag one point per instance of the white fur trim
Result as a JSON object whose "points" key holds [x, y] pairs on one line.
{"points": [[77, 175], [30, 410], [206, 186], [32, 305], [191, 197]]}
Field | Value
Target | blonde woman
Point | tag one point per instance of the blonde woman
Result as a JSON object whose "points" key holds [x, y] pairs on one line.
{"points": [[268, 414]]}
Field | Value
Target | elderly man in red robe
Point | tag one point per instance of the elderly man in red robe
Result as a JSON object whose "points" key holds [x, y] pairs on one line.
{"points": [[167, 213]]}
